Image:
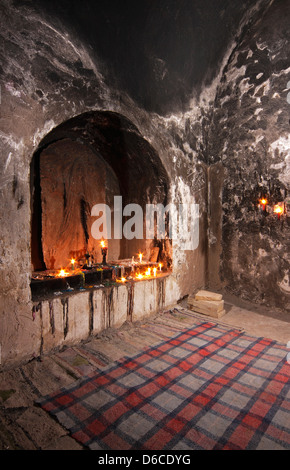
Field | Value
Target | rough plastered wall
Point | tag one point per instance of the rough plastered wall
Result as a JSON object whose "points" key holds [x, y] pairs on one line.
{"points": [[250, 143], [48, 77]]}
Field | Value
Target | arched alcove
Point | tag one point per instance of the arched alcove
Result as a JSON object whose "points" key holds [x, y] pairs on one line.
{"points": [[89, 160]]}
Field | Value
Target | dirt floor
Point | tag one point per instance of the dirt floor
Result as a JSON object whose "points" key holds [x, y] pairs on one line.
{"points": [[25, 426]]}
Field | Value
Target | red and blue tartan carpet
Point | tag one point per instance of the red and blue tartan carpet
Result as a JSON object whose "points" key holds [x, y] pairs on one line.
{"points": [[208, 387]]}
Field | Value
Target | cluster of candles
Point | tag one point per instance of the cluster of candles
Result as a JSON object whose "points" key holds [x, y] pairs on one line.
{"points": [[139, 276], [277, 209], [104, 249], [150, 272], [62, 273]]}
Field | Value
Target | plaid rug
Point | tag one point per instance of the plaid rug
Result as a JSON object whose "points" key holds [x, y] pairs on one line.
{"points": [[208, 387]]}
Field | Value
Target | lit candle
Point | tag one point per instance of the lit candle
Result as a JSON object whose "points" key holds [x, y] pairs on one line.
{"points": [[139, 276], [104, 250], [278, 210], [72, 264], [160, 266], [263, 203], [148, 272], [154, 271], [140, 257], [62, 273]]}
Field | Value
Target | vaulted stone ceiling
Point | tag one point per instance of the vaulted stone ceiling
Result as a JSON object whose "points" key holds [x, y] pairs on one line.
{"points": [[160, 52]]}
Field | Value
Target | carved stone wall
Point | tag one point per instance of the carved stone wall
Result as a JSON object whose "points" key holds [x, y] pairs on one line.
{"points": [[249, 137]]}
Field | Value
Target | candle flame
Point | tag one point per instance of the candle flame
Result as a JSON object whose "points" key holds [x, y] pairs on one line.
{"points": [[139, 276], [102, 244], [263, 201], [72, 261], [62, 273], [154, 271], [278, 210]]}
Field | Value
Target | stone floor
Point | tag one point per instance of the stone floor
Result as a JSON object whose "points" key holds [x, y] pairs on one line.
{"points": [[25, 426]]}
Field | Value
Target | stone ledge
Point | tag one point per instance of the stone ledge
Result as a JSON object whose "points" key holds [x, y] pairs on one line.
{"points": [[70, 318]]}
